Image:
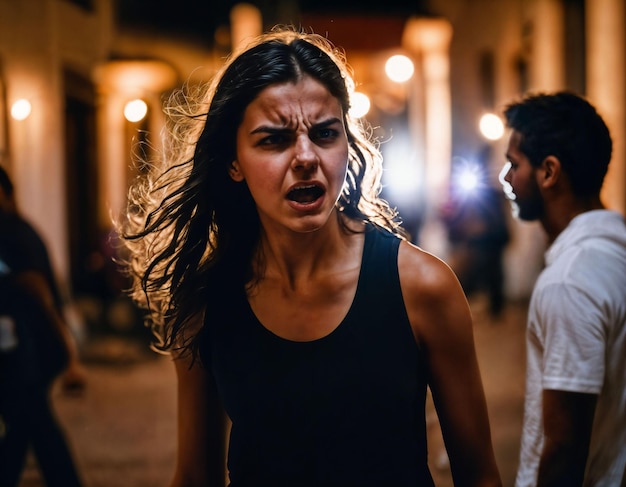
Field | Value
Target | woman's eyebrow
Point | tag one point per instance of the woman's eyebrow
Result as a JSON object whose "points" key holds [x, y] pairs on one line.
{"points": [[326, 123], [268, 129]]}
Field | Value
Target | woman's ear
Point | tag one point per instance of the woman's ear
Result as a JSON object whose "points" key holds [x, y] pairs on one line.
{"points": [[235, 172]]}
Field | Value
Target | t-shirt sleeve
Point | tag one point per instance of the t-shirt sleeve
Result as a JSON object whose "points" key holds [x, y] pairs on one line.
{"points": [[574, 339]]}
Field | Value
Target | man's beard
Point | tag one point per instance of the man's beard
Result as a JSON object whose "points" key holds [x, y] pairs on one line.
{"points": [[531, 209]]}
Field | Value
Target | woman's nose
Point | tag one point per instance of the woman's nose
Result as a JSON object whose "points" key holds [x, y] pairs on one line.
{"points": [[305, 156]]}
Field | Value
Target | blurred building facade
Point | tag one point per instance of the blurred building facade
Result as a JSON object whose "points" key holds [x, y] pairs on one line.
{"points": [[78, 66]]}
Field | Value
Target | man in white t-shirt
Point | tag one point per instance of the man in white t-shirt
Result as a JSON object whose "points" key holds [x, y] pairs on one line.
{"points": [[574, 429]]}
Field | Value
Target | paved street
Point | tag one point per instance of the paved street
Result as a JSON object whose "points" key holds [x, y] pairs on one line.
{"points": [[123, 430]]}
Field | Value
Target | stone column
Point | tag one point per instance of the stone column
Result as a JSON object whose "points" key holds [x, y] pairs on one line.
{"points": [[112, 157], [246, 23], [429, 39], [117, 83], [606, 86], [547, 68]]}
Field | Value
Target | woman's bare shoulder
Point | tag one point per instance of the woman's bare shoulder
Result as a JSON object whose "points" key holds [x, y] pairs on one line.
{"points": [[434, 299], [424, 273]]}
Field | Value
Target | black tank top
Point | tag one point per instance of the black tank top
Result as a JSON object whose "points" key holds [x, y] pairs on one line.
{"points": [[345, 410]]}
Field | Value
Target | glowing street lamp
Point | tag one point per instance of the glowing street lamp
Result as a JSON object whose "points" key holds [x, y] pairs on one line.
{"points": [[21, 109], [491, 126], [399, 68], [135, 110]]}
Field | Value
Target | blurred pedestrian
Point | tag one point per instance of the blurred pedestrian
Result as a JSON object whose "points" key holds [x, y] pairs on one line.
{"points": [[575, 413], [477, 227], [36, 346], [289, 296]]}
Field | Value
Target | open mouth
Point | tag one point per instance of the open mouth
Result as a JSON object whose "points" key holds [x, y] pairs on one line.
{"points": [[305, 194]]}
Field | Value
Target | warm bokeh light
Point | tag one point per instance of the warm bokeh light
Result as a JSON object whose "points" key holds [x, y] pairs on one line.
{"points": [[399, 68], [21, 109], [491, 126], [360, 104], [135, 110]]}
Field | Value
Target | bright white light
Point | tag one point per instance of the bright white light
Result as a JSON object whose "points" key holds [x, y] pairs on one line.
{"points": [[135, 110], [506, 187], [468, 181], [399, 68], [468, 177], [403, 180], [402, 175], [491, 126], [360, 104], [21, 109]]}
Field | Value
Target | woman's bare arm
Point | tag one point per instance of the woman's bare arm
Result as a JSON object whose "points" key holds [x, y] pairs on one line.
{"points": [[442, 325], [74, 377], [201, 429]]}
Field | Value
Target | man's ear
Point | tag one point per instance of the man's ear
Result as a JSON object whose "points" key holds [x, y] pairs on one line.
{"points": [[235, 172], [550, 172]]}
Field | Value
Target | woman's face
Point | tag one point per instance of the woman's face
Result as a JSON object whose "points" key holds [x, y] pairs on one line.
{"points": [[292, 151]]}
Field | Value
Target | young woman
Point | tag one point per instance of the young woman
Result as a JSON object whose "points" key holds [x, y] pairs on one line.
{"points": [[283, 286]]}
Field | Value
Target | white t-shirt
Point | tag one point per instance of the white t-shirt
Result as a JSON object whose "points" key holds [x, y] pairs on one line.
{"points": [[576, 341]]}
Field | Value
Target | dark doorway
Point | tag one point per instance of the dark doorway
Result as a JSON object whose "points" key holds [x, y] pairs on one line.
{"points": [[81, 184]]}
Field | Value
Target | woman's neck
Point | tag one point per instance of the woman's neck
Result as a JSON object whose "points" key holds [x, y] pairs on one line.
{"points": [[294, 258]]}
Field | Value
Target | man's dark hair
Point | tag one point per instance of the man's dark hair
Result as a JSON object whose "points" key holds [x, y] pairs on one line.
{"points": [[568, 127]]}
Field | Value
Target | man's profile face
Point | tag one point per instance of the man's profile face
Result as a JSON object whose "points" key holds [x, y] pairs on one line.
{"points": [[521, 176]]}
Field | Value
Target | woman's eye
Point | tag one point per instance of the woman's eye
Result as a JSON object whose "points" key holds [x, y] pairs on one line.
{"points": [[274, 139], [325, 134]]}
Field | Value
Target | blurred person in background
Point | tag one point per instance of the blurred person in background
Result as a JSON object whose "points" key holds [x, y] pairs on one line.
{"points": [[476, 223], [36, 347], [574, 429], [285, 290]]}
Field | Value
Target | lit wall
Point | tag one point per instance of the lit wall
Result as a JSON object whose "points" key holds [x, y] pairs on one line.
{"points": [[38, 39]]}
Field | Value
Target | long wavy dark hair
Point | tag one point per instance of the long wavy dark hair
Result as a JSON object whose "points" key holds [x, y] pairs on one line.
{"points": [[191, 231]]}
